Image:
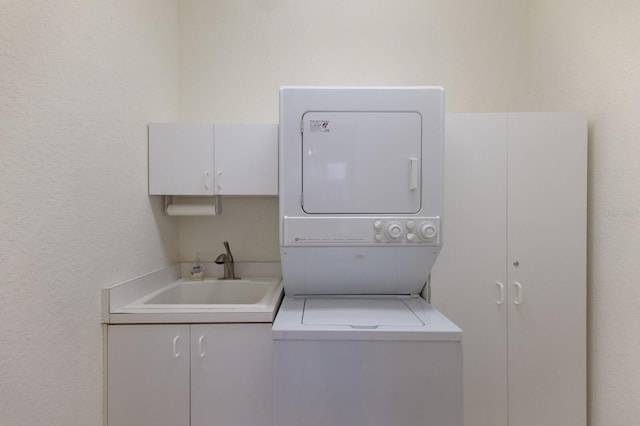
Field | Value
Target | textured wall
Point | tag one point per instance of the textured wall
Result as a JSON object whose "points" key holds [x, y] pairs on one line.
{"points": [[79, 81], [584, 56], [491, 56], [236, 54]]}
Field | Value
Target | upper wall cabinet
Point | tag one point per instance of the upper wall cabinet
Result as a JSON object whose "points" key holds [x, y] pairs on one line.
{"points": [[208, 159]]}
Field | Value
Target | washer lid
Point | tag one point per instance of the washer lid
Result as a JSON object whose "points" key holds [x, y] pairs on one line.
{"points": [[359, 312], [363, 318]]}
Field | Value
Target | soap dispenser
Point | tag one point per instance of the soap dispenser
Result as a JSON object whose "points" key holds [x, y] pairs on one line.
{"points": [[197, 271]]}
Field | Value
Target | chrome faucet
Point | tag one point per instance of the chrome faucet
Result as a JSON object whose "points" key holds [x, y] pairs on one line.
{"points": [[226, 259]]}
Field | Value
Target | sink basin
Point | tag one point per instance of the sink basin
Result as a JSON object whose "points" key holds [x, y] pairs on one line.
{"points": [[211, 294], [161, 297]]}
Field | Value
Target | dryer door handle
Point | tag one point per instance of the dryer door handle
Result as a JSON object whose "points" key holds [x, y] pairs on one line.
{"points": [[413, 173]]}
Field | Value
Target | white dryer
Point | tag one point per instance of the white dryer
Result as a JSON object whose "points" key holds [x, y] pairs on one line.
{"points": [[361, 199]]}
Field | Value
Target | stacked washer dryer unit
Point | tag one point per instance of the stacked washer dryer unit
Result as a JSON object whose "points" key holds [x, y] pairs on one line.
{"points": [[361, 204]]}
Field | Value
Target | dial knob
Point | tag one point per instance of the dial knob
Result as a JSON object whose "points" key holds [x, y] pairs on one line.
{"points": [[427, 230], [393, 230], [411, 225], [412, 237], [378, 237], [377, 225]]}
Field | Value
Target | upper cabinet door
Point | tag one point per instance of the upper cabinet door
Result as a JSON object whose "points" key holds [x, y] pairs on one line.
{"points": [[361, 162], [246, 159], [180, 159]]}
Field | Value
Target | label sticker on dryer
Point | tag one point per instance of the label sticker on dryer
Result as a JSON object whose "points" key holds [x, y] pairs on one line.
{"points": [[319, 126]]}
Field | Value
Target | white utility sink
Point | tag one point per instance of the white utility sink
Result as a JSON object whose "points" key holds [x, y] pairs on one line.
{"points": [[211, 294], [161, 297]]}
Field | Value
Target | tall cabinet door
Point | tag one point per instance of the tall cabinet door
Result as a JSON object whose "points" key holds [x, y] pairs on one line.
{"points": [[231, 374], [148, 375], [469, 277], [547, 161]]}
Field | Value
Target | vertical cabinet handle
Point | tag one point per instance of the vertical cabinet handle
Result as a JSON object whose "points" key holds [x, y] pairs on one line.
{"points": [[518, 299], [176, 354], [205, 178], [218, 180], [201, 346], [413, 171], [500, 301]]}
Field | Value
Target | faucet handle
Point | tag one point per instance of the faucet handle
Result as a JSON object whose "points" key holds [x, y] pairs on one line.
{"points": [[228, 249]]}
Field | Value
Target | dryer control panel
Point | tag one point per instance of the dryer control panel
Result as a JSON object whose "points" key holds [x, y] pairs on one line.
{"points": [[362, 230]]}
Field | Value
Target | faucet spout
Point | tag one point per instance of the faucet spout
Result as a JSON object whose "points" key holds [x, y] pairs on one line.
{"points": [[226, 259]]}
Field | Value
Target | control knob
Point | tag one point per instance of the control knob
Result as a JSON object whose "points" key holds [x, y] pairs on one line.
{"points": [[393, 231], [427, 230]]}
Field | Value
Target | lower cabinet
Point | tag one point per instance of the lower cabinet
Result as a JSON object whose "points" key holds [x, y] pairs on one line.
{"points": [[180, 375], [231, 374]]}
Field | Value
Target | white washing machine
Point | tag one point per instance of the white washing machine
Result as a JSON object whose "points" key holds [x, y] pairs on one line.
{"points": [[361, 199]]}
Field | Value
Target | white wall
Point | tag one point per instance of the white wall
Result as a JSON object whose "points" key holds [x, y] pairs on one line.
{"points": [[584, 56], [234, 56], [490, 56], [79, 81]]}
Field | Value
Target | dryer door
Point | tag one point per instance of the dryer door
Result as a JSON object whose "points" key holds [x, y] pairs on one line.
{"points": [[361, 162]]}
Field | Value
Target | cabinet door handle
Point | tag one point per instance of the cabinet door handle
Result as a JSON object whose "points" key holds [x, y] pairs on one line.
{"points": [[500, 301], [205, 179], [218, 179], [201, 346], [518, 299], [176, 354]]}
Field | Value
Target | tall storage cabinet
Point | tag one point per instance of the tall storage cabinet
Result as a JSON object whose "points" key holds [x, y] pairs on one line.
{"points": [[512, 272]]}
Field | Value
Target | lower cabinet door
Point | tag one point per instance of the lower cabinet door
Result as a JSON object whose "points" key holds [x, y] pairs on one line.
{"points": [[148, 375], [231, 375]]}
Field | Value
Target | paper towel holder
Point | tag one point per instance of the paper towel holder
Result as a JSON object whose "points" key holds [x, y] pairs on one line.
{"points": [[197, 209]]}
